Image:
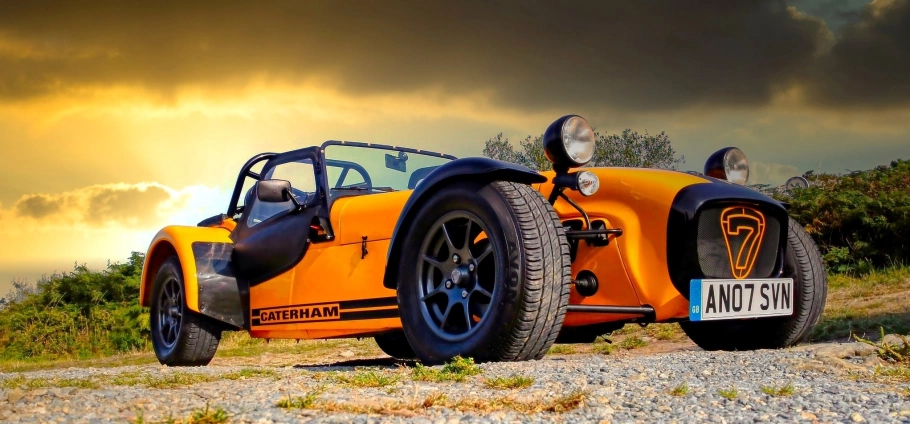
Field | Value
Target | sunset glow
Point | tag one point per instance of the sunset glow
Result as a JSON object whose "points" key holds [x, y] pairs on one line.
{"points": [[118, 119]]}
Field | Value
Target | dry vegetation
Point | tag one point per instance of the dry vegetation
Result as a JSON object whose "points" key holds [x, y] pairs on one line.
{"points": [[862, 305], [312, 400]]}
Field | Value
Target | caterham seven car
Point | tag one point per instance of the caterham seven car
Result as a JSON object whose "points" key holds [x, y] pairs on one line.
{"points": [[435, 256]]}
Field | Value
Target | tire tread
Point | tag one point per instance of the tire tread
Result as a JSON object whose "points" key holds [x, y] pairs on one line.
{"points": [[547, 273]]}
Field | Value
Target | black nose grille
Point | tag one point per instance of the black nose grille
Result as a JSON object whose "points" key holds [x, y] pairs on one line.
{"points": [[737, 242]]}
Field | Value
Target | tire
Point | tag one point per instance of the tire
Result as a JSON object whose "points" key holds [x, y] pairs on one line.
{"points": [[587, 333], [803, 263], [180, 337], [510, 304], [395, 345]]}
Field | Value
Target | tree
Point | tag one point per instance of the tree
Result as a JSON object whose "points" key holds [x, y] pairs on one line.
{"points": [[629, 149], [21, 290], [530, 154]]}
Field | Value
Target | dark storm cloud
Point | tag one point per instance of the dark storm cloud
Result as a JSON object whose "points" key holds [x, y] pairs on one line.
{"points": [[625, 54], [36, 206], [837, 14], [870, 63], [124, 205], [96, 205]]}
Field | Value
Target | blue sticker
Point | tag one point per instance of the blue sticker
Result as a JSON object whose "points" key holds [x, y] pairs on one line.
{"points": [[695, 300]]}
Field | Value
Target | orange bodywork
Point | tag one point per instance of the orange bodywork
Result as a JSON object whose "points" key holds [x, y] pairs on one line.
{"points": [[336, 279], [633, 268], [178, 241]]}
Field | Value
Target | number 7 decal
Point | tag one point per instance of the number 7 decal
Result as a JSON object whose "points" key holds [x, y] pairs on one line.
{"points": [[744, 229]]}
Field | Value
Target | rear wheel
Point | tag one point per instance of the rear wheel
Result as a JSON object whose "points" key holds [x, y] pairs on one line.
{"points": [[180, 337], [395, 345], [485, 274], [803, 263]]}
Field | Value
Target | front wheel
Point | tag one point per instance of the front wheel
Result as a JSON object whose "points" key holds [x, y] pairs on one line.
{"points": [[485, 273], [803, 263], [180, 337]]}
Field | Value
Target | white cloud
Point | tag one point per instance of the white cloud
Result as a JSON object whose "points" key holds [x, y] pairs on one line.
{"points": [[124, 206], [44, 232], [773, 174]]}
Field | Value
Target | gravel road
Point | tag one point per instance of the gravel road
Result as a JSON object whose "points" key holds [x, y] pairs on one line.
{"points": [[616, 388]]}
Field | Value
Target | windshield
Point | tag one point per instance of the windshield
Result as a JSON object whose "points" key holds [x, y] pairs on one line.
{"points": [[361, 169]]}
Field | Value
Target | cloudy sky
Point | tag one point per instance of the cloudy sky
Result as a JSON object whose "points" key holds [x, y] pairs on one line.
{"points": [[117, 118]]}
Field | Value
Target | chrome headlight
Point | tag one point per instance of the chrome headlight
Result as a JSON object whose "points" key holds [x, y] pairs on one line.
{"points": [[569, 142], [729, 164], [588, 183]]}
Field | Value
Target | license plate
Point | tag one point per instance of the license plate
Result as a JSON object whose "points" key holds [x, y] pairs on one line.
{"points": [[731, 299]]}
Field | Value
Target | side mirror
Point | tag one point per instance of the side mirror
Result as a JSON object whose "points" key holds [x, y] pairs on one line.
{"points": [[273, 191]]}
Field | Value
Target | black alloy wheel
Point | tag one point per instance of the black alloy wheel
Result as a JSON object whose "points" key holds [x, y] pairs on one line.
{"points": [[485, 274], [170, 312], [456, 276], [180, 337]]}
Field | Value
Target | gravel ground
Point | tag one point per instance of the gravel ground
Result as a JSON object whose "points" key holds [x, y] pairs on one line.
{"points": [[617, 388]]}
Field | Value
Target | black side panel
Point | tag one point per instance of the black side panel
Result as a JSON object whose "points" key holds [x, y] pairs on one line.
{"points": [[683, 261], [221, 296], [477, 169]]}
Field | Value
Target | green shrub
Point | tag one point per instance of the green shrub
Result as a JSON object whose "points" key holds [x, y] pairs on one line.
{"points": [[77, 314], [860, 220]]}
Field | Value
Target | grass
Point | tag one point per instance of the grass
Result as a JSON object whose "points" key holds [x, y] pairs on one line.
{"points": [[892, 353], [135, 378], [234, 344], [665, 332], [246, 373], [165, 381], [369, 378], [632, 342], [900, 373], [458, 369], [603, 348], [783, 391], [238, 344], [863, 304], [730, 393], [20, 382], [513, 381], [896, 355], [307, 401], [680, 390], [207, 415], [568, 402], [121, 360], [561, 349]]}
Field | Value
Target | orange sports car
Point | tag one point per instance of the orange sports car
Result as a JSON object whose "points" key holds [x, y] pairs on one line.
{"points": [[436, 256]]}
